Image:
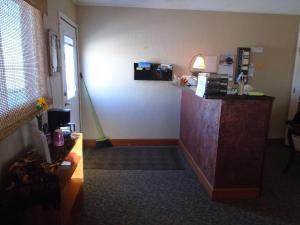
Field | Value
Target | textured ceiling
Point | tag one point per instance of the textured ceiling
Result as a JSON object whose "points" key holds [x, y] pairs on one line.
{"points": [[256, 6]]}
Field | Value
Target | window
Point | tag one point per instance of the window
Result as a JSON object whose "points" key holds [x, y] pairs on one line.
{"points": [[70, 67], [22, 65]]}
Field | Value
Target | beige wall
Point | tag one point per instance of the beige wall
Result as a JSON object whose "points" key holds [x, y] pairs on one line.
{"points": [[20, 140], [112, 39]]}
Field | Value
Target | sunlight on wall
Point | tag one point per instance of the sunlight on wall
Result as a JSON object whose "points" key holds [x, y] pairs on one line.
{"points": [[112, 39]]}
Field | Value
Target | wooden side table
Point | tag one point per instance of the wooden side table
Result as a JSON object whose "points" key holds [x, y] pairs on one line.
{"points": [[71, 182]]}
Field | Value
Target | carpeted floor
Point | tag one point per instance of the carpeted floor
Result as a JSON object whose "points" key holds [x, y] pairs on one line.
{"points": [[174, 197], [134, 158]]}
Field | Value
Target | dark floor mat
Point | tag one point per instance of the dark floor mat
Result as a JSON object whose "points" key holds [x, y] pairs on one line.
{"points": [[129, 158]]}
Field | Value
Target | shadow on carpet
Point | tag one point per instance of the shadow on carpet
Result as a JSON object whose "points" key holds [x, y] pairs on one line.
{"points": [[133, 158]]}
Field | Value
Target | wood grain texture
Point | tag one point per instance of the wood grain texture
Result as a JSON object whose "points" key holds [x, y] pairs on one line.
{"points": [[200, 175], [226, 139], [242, 141], [234, 194], [199, 130], [276, 141], [219, 194]]}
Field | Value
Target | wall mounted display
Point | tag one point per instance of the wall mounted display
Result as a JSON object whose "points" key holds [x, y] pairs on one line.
{"points": [[153, 71]]}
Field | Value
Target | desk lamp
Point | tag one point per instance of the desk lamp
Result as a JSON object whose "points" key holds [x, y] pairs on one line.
{"points": [[197, 66]]}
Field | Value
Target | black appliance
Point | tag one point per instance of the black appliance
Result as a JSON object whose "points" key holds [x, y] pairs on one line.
{"points": [[58, 118]]}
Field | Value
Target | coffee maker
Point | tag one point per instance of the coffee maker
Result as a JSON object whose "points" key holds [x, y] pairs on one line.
{"points": [[60, 118]]}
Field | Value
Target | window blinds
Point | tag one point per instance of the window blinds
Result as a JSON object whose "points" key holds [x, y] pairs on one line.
{"points": [[22, 62], [39, 4]]}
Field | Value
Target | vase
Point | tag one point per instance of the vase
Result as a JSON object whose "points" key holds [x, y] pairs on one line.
{"points": [[40, 122]]}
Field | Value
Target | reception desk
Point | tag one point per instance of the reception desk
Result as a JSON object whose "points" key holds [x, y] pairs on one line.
{"points": [[224, 139]]}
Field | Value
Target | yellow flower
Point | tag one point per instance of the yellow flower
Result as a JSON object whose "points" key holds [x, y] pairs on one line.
{"points": [[41, 104]]}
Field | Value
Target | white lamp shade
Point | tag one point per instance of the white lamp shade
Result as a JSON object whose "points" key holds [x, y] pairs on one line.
{"points": [[199, 63]]}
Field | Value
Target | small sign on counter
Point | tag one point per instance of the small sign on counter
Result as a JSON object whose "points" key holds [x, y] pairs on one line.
{"points": [[201, 86]]}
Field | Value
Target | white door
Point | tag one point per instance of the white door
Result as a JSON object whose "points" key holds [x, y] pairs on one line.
{"points": [[295, 92], [68, 43]]}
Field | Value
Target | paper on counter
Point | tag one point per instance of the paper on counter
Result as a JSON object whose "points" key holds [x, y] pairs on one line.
{"points": [[226, 65], [256, 93], [201, 86]]}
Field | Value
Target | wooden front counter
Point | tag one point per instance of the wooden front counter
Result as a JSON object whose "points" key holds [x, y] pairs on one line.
{"points": [[224, 140]]}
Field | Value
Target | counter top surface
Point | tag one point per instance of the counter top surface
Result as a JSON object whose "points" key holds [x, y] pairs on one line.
{"points": [[233, 97], [241, 97]]}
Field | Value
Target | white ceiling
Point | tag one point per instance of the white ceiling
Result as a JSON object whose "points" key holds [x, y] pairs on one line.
{"points": [[256, 6]]}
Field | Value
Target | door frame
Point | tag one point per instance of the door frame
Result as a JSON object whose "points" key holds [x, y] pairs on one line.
{"points": [[73, 24], [295, 89]]}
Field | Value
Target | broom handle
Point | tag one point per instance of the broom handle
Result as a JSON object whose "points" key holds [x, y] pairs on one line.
{"points": [[96, 119]]}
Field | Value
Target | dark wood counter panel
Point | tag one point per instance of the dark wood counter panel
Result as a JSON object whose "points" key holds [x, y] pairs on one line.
{"points": [[224, 140]]}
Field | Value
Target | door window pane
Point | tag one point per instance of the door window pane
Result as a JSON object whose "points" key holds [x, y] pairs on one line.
{"points": [[70, 67]]}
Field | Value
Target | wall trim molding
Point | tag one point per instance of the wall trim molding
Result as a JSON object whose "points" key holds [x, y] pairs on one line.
{"points": [[91, 143], [279, 141], [219, 194]]}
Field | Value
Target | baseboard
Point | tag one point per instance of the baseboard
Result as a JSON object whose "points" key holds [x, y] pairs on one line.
{"points": [[219, 194], [279, 141], [234, 194], [91, 143]]}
